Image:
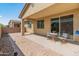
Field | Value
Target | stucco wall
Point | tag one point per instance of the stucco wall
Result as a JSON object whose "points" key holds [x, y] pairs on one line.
{"points": [[37, 7], [46, 29], [76, 25], [47, 23], [29, 30], [43, 10], [55, 13], [11, 24]]}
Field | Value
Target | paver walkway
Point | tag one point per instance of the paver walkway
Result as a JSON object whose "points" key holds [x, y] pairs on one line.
{"points": [[67, 49], [39, 45], [30, 48]]}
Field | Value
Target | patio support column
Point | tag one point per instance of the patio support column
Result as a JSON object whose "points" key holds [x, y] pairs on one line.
{"points": [[76, 26], [22, 27], [59, 27]]}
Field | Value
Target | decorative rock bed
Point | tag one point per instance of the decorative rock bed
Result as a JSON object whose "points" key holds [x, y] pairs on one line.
{"points": [[6, 48]]}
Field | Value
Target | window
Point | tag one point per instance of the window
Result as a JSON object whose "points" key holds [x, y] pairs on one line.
{"points": [[40, 24], [29, 24], [55, 25]]}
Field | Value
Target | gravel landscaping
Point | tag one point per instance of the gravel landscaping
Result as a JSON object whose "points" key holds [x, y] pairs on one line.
{"points": [[6, 48]]}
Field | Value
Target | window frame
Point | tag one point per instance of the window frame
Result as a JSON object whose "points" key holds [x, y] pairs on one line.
{"points": [[29, 24], [40, 24]]}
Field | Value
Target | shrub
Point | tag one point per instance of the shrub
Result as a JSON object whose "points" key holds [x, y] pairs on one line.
{"points": [[1, 25]]}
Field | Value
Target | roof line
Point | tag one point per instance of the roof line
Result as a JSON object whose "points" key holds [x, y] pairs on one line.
{"points": [[23, 10]]}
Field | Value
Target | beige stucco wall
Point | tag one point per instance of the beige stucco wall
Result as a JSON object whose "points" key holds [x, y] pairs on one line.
{"points": [[29, 30], [54, 11], [37, 7], [11, 24], [47, 26], [76, 25], [43, 10], [47, 23]]}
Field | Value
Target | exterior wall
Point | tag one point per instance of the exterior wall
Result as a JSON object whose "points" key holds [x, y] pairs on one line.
{"points": [[47, 23], [48, 9], [54, 11], [47, 27], [11, 24], [76, 25], [29, 30], [13, 28], [37, 7]]}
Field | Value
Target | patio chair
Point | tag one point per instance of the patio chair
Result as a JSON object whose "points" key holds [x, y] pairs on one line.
{"points": [[64, 38], [49, 35], [52, 36]]}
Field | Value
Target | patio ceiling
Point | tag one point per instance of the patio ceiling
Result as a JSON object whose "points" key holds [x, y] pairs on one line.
{"points": [[54, 9]]}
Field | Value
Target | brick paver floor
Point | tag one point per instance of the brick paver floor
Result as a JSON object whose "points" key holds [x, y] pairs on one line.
{"points": [[32, 44], [31, 48]]}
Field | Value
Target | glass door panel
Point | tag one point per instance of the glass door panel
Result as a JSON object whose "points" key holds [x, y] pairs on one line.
{"points": [[66, 24], [55, 25]]}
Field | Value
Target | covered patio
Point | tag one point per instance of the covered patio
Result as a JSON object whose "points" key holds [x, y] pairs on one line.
{"points": [[56, 46], [61, 18]]}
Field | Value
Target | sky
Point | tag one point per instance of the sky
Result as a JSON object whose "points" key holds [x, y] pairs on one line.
{"points": [[9, 11]]}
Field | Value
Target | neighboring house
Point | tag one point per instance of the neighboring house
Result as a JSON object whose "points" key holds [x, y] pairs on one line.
{"points": [[41, 18], [13, 26]]}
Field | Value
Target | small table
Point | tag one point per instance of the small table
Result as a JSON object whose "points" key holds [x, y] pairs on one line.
{"points": [[53, 35]]}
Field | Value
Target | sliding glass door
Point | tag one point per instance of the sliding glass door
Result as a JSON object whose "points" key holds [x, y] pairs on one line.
{"points": [[66, 24]]}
